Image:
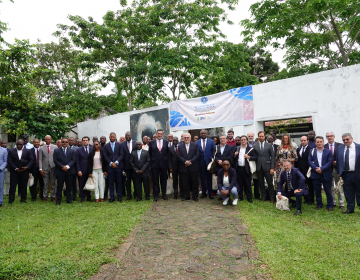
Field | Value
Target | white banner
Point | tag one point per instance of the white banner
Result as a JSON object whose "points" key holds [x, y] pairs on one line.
{"points": [[227, 108]]}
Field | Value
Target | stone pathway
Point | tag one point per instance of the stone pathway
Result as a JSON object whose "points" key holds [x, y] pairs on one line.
{"points": [[186, 240]]}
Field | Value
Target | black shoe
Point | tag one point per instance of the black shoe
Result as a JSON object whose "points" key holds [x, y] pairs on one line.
{"points": [[129, 198], [311, 203], [0, 205], [33, 199], [250, 200], [175, 196], [241, 199], [297, 212], [138, 199], [70, 202], [155, 199], [111, 200], [348, 212], [57, 203], [183, 199], [10, 203], [119, 199], [211, 196], [24, 201], [195, 199], [147, 197], [203, 195], [165, 197]]}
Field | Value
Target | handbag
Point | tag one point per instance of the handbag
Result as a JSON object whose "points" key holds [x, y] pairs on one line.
{"points": [[252, 163], [90, 184], [31, 180], [212, 163], [283, 203], [214, 182], [339, 186], [308, 174]]}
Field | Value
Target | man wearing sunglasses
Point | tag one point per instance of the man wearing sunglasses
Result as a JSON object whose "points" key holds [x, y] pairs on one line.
{"points": [[347, 165]]}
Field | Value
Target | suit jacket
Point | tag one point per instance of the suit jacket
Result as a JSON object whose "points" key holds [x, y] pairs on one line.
{"points": [[82, 159], [337, 145], [340, 164], [27, 159], [228, 153], [46, 160], [111, 156], [326, 163], [74, 148], [275, 147], [302, 163], [296, 177], [61, 160], [252, 154], [143, 164], [34, 155], [91, 162], [206, 156], [266, 158], [174, 162], [193, 156], [159, 159], [3, 159], [126, 159], [232, 179]]}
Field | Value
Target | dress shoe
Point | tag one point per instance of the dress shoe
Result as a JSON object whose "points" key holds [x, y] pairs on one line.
{"points": [[119, 199], [250, 200], [329, 209], [203, 195], [138, 199], [196, 199], [298, 212], [317, 208], [33, 199], [57, 203], [211, 196], [342, 207], [102, 200], [165, 197], [69, 202], [111, 200], [96, 200], [155, 199], [24, 201], [311, 203], [44, 200], [263, 200], [147, 197], [0, 205], [10, 203], [53, 200], [175, 196], [348, 212], [128, 198], [183, 199], [272, 201]]}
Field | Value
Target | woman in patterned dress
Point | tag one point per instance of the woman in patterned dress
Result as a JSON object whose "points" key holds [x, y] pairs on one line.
{"points": [[285, 151]]}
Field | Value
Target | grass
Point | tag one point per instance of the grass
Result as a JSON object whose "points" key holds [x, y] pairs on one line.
{"points": [[70, 241], [315, 245]]}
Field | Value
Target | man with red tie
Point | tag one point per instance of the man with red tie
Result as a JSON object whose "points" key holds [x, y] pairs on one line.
{"points": [[158, 149], [175, 168], [36, 171]]}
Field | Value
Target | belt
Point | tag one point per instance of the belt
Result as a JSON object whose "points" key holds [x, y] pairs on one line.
{"points": [[241, 166]]}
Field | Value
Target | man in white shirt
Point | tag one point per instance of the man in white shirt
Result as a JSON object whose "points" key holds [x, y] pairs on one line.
{"points": [[170, 140], [27, 144], [276, 141]]}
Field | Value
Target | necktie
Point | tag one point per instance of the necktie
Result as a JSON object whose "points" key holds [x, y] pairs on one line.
{"points": [[204, 145], [159, 145], [288, 181], [48, 148], [129, 146], [347, 164], [176, 149], [187, 148], [139, 154], [303, 151], [331, 148], [261, 147], [65, 151], [112, 146], [86, 150], [37, 157]]}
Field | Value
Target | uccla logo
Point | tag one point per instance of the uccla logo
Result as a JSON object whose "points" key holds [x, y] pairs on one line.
{"points": [[204, 100]]}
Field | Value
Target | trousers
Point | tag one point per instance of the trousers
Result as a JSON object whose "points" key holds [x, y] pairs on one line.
{"points": [[234, 193], [98, 174]]}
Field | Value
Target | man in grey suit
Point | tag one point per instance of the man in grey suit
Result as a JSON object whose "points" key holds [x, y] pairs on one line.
{"points": [[47, 166], [140, 163], [265, 165]]}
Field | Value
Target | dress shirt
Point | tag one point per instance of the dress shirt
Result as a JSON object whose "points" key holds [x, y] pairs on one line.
{"points": [[187, 148], [319, 157], [36, 154], [203, 143], [157, 143], [294, 145], [129, 144], [302, 148], [241, 160], [113, 149], [170, 144], [250, 144], [333, 147], [29, 146], [277, 142], [222, 148], [86, 149], [139, 154], [64, 150], [19, 152], [145, 147], [352, 156]]}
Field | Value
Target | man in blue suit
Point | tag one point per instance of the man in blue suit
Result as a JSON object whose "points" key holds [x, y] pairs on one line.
{"points": [[320, 160], [64, 159], [128, 146], [294, 185], [159, 155], [206, 152], [224, 151], [347, 166], [3, 164], [82, 154], [114, 156]]}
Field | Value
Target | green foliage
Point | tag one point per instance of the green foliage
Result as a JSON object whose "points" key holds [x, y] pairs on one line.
{"points": [[321, 32], [282, 126]]}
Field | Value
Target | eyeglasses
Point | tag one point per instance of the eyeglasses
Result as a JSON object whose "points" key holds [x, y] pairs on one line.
{"points": [[64, 142], [346, 139], [327, 136]]}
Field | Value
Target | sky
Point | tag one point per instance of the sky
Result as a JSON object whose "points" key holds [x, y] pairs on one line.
{"points": [[37, 19]]}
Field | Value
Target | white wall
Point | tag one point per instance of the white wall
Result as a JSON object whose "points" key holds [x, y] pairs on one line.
{"points": [[329, 97]]}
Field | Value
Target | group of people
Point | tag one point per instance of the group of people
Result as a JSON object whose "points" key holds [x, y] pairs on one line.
{"points": [[236, 162]]}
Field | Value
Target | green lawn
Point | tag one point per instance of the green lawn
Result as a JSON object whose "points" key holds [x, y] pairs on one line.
{"points": [[70, 241], [315, 245]]}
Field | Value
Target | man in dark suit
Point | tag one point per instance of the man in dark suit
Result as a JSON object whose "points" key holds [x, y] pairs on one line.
{"points": [[348, 168], [140, 162], [128, 146], [242, 154], [102, 145], [174, 166], [82, 155], [206, 152], [254, 176], [64, 159], [294, 185], [333, 146], [73, 146], [311, 137], [189, 167], [114, 155], [224, 151], [303, 165], [270, 140], [321, 162], [36, 171], [20, 163], [159, 152], [265, 166]]}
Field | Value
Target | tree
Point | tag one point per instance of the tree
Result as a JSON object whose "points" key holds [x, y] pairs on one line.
{"points": [[319, 32]]}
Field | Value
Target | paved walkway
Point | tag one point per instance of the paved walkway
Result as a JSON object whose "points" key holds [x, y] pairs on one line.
{"points": [[186, 240]]}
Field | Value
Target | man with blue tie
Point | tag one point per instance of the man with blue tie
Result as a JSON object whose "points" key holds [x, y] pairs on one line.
{"points": [[82, 155], [320, 160], [128, 146], [114, 155], [206, 152], [294, 185], [159, 154], [64, 159], [347, 165], [3, 164]]}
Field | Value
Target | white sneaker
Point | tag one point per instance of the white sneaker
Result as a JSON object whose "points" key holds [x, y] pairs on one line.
{"points": [[226, 201], [235, 202]]}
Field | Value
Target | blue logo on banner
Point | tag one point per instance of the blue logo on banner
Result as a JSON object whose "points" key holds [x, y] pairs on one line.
{"points": [[177, 119], [244, 93], [204, 100]]}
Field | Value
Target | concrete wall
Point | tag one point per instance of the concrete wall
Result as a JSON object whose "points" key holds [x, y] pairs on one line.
{"points": [[329, 97]]}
